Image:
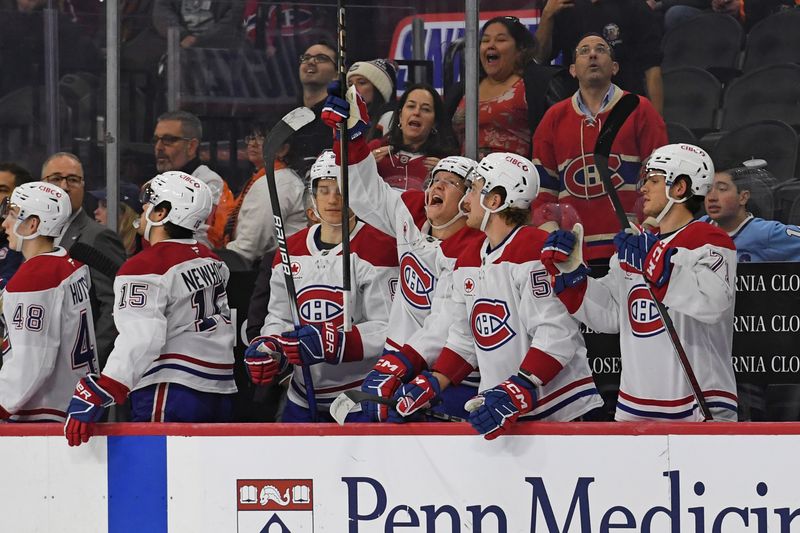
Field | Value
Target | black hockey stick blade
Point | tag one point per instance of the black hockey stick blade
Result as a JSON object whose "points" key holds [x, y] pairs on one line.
{"points": [[346, 401], [290, 123], [94, 258], [602, 149]]}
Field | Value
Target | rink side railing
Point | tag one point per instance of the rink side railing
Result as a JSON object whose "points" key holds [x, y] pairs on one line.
{"points": [[542, 477]]}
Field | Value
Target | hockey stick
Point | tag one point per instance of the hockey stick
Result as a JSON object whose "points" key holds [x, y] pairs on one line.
{"points": [[344, 403], [345, 182], [293, 121], [94, 258], [602, 149]]}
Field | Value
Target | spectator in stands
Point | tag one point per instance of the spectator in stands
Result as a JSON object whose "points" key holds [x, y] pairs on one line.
{"points": [[129, 209], [629, 26], [11, 177], [251, 225], [503, 125], [746, 12], [375, 81], [564, 144], [418, 137], [756, 239], [176, 142], [207, 24], [66, 171], [317, 69]]}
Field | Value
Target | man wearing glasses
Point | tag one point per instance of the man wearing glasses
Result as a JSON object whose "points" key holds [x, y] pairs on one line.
{"points": [[66, 171], [564, 142], [176, 142], [317, 68]]}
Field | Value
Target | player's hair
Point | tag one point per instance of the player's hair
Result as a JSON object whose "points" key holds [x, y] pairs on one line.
{"points": [[21, 174], [61, 154], [173, 231], [190, 125], [513, 216], [694, 203]]}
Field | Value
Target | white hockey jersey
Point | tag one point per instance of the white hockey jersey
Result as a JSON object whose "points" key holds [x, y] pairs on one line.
{"points": [[50, 329], [423, 259], [317, 277], [504, 316], [700, 298], [171, 311]]}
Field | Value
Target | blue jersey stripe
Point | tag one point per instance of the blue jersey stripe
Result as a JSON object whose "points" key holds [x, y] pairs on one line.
{"points": [[137, 484]]}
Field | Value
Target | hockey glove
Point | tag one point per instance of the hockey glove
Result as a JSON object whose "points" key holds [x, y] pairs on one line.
{"points": [[313, 344], [391, 371], [501, 406], [264, 359], [89, 402], [353, 109], [633, 246], [421, 392], [658, 266], [562, 257]]}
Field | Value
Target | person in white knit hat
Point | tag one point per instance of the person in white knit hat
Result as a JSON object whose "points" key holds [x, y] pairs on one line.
{"points": [[376, 82]]}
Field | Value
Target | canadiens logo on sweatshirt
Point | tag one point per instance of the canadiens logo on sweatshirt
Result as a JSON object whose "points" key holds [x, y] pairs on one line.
{"points": [[489, 321], [643, 313]]}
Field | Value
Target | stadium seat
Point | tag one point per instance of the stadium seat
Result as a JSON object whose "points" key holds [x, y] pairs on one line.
{"points": [[771, 92], [709, 40], [794, 213], [771, 140], [691, 97], [774, 40], [678, 133], [760, 182], [785, 195]]}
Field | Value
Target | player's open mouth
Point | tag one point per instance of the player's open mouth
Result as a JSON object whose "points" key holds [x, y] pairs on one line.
{"points": [[436, 200]]}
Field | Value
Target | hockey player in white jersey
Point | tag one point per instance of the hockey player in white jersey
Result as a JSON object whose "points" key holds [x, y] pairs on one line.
{"points": [[505, 318], [49, 338], [691, 268], [174, 352], [316, 265], [430, 230]]}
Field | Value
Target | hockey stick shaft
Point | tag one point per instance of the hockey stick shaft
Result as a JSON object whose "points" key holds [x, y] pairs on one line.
{"points": [[621, 111], [290, 123], [345, 182]]}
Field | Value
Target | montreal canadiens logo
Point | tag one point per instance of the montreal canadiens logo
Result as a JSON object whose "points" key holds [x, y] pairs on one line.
{"points": [[643, 313], [489, 322], [584, 181], [320, 303], [416, 282]]}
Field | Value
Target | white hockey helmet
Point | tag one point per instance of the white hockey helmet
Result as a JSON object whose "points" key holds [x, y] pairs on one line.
{"points": [[324, 167], [514, 173], [675, 160], [189, 198], [461, 167], [50, 204]]}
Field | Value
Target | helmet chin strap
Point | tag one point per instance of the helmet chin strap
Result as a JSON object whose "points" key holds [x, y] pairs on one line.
{"points": [[150, 223], [487, 212], [670, 202], [21, 238]]}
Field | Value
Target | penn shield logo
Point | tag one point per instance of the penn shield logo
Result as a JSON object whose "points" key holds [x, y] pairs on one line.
{"points": [[643, 313], [489, 321], [582, 179], [320, 303], [416, 282]]}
